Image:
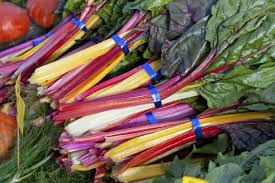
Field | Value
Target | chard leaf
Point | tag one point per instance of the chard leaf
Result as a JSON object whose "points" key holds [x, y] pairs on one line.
{"points": [[179, 33], [258, 40], [266, 149], [185, 53], [248, 136], [229, 173], [218, 145], [176, 20], [73, 7], [113, 17], [154, 6], [239, 83], [178, 169], [233, 18], [268, 162]]}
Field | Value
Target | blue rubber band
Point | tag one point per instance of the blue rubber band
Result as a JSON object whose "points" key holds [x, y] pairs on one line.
{"points": [[121, 43], [79, 24], [152, 74], [48, 35], [37, 42], [151, 118], [197, 128], [155, 96]]}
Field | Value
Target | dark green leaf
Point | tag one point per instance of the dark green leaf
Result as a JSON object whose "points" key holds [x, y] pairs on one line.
{"points": [[154, 6], [233, 18], [229, 173], [184, 54]]}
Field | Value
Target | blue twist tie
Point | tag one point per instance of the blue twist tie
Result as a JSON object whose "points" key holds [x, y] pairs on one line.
{"points": [[152, 74], [197, 128], [151, 118], [155, 96], [121, 43], [37, 42], [79, 24]]}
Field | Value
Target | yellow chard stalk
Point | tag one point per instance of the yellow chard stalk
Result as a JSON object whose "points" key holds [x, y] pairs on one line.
{"points": [[141, 143], [64, 65], [142, 172], [29, 53], [130, 83], [59, 52], [96, 78]]}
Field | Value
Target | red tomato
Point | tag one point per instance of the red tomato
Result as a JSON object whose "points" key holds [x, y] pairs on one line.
{"points": [[42, 11], [14, 22], [7, 134]]}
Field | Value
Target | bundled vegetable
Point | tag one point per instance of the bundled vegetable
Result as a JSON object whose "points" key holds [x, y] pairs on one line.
{"points": [[215, 74], [226, 69]]}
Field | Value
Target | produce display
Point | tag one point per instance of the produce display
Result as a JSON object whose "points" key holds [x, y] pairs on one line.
{"points": [[139, 91]]}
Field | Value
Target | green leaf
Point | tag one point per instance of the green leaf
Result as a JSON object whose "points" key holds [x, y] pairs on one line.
{"points": [[233, 18], [219, 145], [154, 6], [73, 7], [185, 53], [230, 88], [267, 161], [259, 39], [229, 173]]}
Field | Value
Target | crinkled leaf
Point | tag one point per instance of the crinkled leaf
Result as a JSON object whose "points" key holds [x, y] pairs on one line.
{"points": [[248, 136], [239, 83], [220, 144], [184, 54], [233, 18], [178, 17], [113, 17], [260, 39], [154, 6], [73, 7], [229, 173], [266, 149], [178, 169]]}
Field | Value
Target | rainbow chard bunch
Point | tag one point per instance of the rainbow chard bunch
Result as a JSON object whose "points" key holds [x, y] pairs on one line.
{"points": [[26, 57], [223, 54]]}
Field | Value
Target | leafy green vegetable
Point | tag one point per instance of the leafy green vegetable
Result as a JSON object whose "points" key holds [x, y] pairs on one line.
{"points": [[226, 173], [233, 18], [248, 167], [253, 79], [239, 83], [178, 169], [185, 53], [154, 6], [113, 17], [179, 35], [73, 7], [262, 38]]}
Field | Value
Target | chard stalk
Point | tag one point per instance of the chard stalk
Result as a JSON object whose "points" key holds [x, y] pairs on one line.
{"points": [[145, 142]]}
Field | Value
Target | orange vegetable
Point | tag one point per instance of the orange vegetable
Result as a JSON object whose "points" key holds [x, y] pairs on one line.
{"points": [[7, 134], [14, 22], [42, 11]]}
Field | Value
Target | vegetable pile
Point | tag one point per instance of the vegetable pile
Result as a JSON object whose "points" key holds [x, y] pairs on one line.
{"points": [[134, 85]]}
